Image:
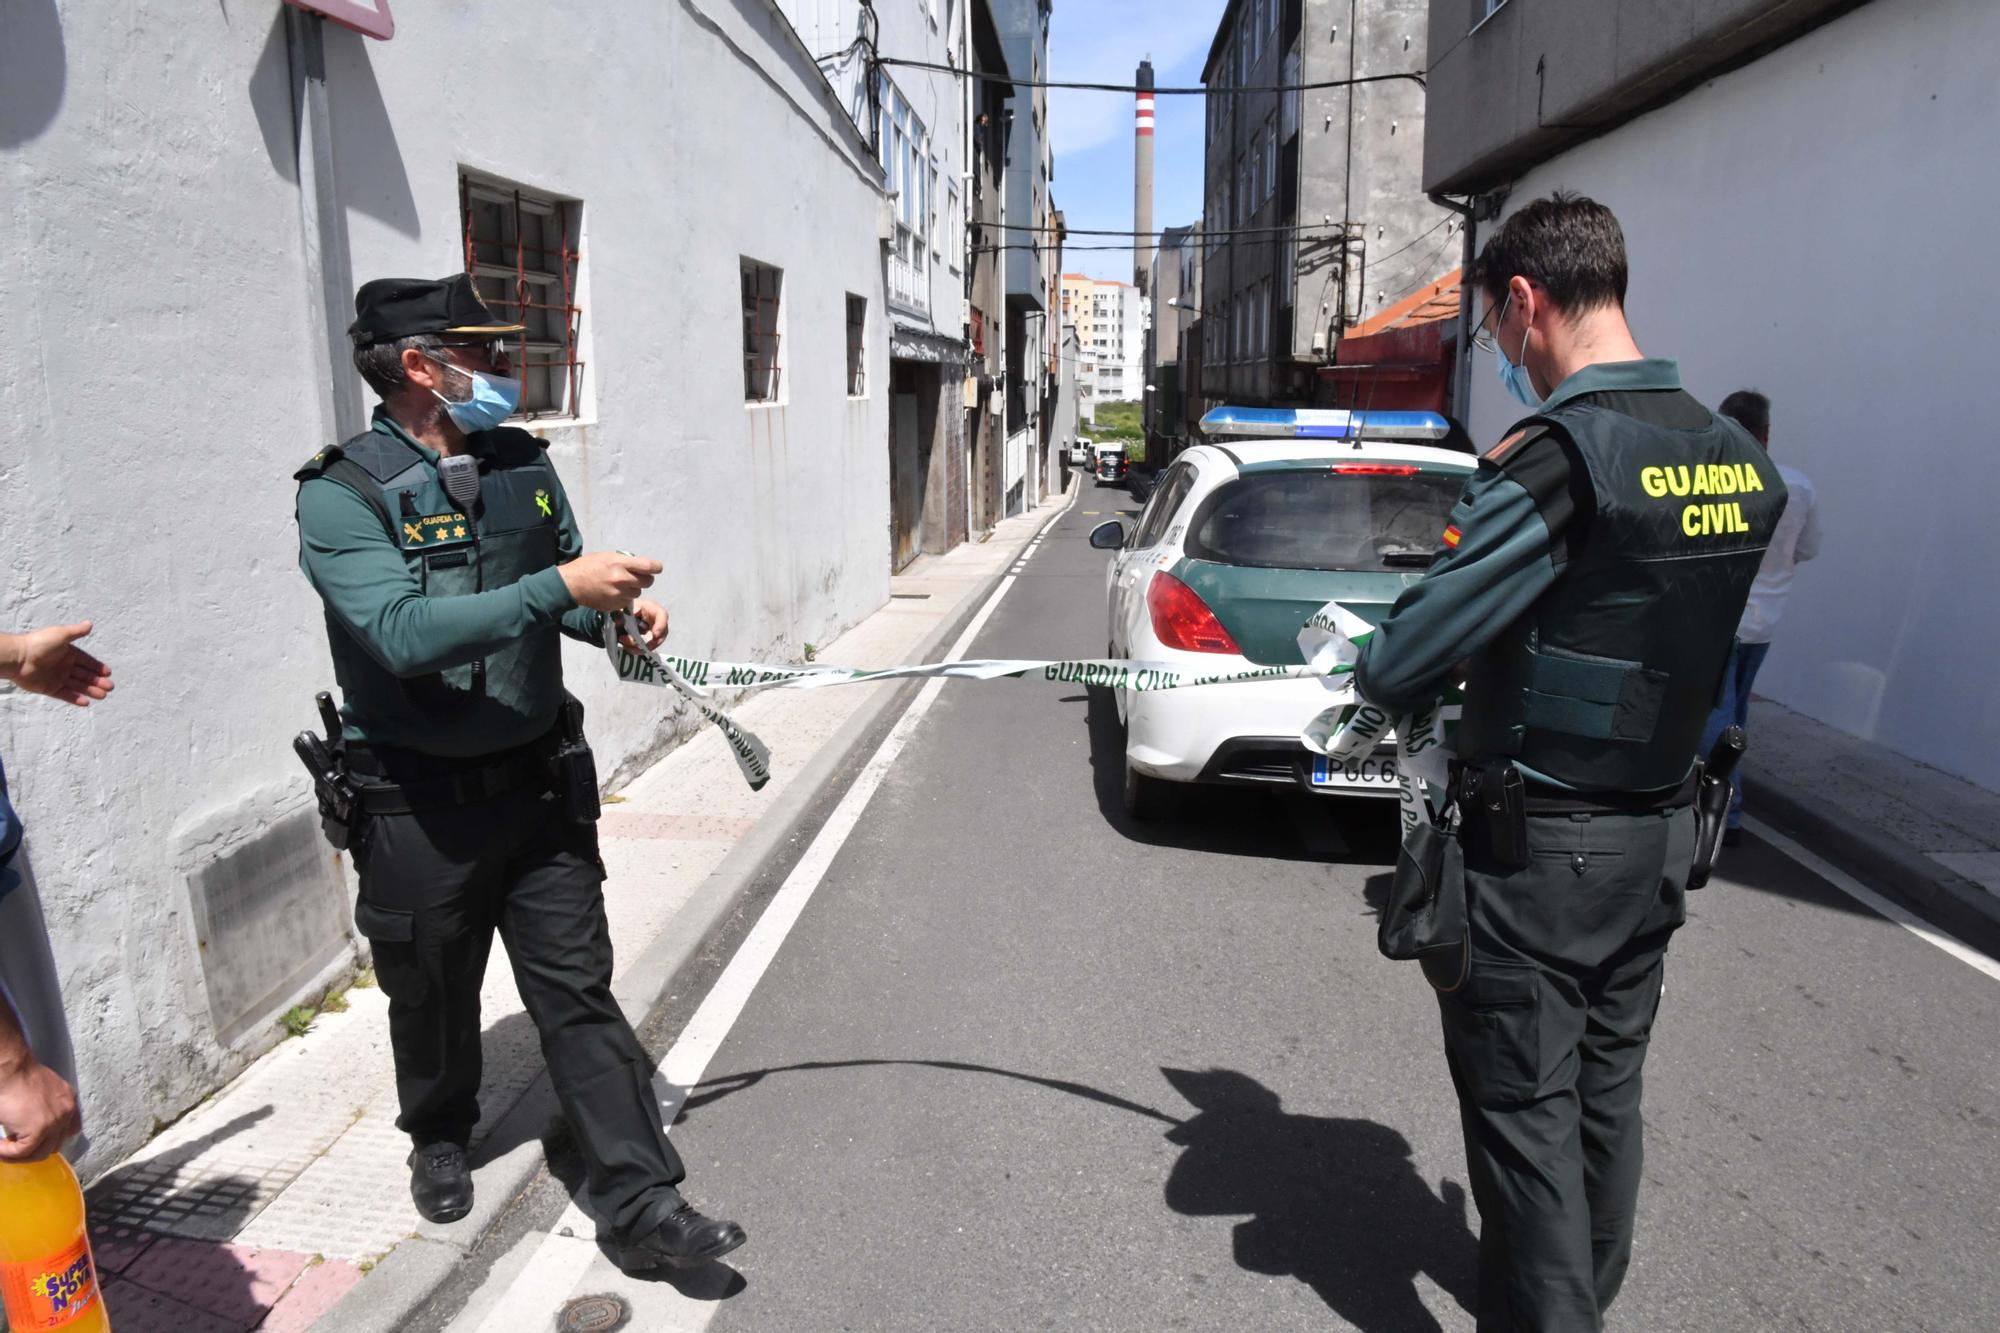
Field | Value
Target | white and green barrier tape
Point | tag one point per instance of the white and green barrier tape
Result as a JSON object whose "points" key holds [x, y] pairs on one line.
{"points": [[1353, 727], [1329, 642]]}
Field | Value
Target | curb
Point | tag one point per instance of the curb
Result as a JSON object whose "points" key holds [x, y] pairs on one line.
{"points": [[420, 1266], [1882, 861]]}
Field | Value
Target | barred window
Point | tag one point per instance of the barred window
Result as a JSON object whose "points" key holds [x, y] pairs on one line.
{"points": [[521, 252], [762, 367], [857, 345]]}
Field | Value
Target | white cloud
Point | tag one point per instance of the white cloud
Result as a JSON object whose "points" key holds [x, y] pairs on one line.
{"points": [[1103, 41]]}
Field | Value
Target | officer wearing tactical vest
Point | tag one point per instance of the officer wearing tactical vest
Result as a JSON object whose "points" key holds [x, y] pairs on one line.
{"points": [[1592, 573], [446, 554]]}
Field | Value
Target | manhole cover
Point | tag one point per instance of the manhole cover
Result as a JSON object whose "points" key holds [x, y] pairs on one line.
{"points": [[592, 1314]]}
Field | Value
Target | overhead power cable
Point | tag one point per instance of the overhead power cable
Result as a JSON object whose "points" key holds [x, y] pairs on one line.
{"points": [[1113, 231], [1197, 91]]}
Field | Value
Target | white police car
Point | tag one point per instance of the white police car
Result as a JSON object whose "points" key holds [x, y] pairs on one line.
{"points": [[1280, 511]]}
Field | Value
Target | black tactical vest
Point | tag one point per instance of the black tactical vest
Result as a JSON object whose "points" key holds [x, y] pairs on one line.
{"points": [[1606, 682], [512, 532]]}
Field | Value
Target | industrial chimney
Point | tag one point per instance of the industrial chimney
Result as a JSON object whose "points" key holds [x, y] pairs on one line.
{"points": [[1142, 183]]}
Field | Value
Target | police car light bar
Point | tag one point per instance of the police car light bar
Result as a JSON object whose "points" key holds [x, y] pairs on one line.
{"points": [[1321, 423]]}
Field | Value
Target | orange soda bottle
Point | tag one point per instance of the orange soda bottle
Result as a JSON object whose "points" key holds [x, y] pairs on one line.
{"points": [[48, 1278]]}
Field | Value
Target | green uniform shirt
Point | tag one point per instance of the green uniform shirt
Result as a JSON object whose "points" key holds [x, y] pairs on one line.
{"points": [[386, 632], [1513, 529]]}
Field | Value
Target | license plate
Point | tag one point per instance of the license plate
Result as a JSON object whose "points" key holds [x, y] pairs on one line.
{"points": [[1374, 771]]}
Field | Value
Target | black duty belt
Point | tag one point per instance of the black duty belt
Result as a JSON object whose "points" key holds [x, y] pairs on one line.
{"points": [[1543, 799], [476, 782]]}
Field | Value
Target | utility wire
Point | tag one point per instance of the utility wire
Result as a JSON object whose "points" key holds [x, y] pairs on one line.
{"points": [[1112, 231], [1198, 91], [1421, 282]]}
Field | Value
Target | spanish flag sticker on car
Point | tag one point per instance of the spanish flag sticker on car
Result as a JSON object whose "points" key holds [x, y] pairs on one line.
{"points": [[1451, 536]]}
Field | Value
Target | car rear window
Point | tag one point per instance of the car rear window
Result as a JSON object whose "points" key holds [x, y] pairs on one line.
{"points": [[1321, 519]]}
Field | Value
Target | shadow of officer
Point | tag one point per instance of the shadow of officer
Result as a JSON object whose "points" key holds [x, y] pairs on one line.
{"points": [[1337, 1204]]}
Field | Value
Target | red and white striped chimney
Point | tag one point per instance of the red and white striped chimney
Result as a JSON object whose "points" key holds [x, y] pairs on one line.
{"points": [[1142, 182]]}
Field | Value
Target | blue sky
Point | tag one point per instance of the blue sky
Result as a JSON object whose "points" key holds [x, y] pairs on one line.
{"points": [[1104, 41]]}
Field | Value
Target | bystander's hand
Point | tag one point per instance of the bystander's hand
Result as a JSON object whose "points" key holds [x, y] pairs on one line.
{"points": [[608, 580], [37, 1107], [47, 661], [652, 618]]}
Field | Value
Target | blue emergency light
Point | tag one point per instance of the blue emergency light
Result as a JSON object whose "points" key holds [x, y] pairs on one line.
{"points": [[1322, 423]]}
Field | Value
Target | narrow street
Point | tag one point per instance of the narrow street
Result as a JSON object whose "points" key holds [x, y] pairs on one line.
{"points": [[1023, 1063]]}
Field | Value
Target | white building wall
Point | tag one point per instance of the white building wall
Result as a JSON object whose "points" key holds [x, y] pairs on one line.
{"points": [[929, 31], [1817, 225], [159, 384]]}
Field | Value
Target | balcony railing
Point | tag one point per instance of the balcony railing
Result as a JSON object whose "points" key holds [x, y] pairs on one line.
{"points": [[909, 287]]}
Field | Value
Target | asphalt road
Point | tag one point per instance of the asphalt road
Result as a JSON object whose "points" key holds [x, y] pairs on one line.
{"points": [[1024, 1064]]}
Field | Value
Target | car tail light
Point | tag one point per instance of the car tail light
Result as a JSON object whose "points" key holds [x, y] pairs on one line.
{"points": [[1375, 469], [1181, 620]]}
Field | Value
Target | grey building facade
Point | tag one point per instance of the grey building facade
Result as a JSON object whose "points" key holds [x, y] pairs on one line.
{"points": [[1313, 205], [1023, 27], [1176, 305]]}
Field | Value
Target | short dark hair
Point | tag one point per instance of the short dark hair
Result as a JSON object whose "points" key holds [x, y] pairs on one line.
{"points": [[1569, 246], [1750, 410], [381, 364]]}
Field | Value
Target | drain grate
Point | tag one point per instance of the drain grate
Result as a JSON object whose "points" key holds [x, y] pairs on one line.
{"points": [[593, 1314]]}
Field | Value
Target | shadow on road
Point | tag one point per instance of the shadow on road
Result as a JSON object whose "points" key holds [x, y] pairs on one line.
{"points": [[716, 1089], [1337, 1204], [1278, 824], [1758, 865]]}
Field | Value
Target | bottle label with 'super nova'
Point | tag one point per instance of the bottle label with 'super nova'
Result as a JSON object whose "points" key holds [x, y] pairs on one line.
{"points": [[49, 1293]]}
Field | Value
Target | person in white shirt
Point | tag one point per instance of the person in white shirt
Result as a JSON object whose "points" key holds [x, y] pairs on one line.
{"points": [[1796, 541]]}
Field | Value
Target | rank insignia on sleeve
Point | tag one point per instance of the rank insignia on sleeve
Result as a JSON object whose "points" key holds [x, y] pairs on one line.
{"points": [[1452, 536], [435, 530]]}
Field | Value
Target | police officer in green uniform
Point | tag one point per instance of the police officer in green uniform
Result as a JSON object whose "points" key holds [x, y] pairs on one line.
{"points": [[445, 551], [1592, 573]]}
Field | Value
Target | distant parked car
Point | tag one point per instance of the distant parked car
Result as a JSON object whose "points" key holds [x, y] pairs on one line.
{"points": [[1108, 463], [1280, 512]]}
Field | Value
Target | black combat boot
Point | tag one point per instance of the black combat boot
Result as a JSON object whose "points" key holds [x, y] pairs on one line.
{"points": [[681, 1239], [441, 1182]]}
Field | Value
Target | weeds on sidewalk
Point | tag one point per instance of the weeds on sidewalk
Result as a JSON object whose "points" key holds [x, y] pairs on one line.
{"points": [[299, 1019]]}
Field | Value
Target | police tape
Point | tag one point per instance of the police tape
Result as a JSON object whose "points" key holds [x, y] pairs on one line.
{"points": [[1352, 728], [692, 677]]}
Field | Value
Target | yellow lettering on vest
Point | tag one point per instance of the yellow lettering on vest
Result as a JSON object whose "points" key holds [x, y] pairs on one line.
{"points": [[1736, 513], [1732, 479], [1690, 521], [1751, 481], [1677, 480], [1654, 480], [1701, 479]]}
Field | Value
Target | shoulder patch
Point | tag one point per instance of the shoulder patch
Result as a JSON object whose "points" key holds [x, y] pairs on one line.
{"points": [[1499, 452], [318, 463]]}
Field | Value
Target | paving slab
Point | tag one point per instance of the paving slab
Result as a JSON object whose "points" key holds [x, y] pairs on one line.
{"points": [[235, 1283], [133, 1309], [317, 1291]]}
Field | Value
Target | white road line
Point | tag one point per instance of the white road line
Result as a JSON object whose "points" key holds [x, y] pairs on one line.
{"points": [[1860, 892], [549, 1276], [544, 1284]]}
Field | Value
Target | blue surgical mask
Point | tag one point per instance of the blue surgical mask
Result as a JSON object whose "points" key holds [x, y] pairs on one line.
{"points": [[493, 400], [1516, 380]]}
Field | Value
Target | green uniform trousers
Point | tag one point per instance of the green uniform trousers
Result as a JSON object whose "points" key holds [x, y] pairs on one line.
{"points": [[1546, 1042]]}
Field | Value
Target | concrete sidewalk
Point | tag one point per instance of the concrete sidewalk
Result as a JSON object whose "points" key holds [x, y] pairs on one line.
{"points": [[1914, 834], [267, 1205]]}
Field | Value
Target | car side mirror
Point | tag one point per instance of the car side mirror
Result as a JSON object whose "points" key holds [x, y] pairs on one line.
{"points": [[1108, 536]]}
